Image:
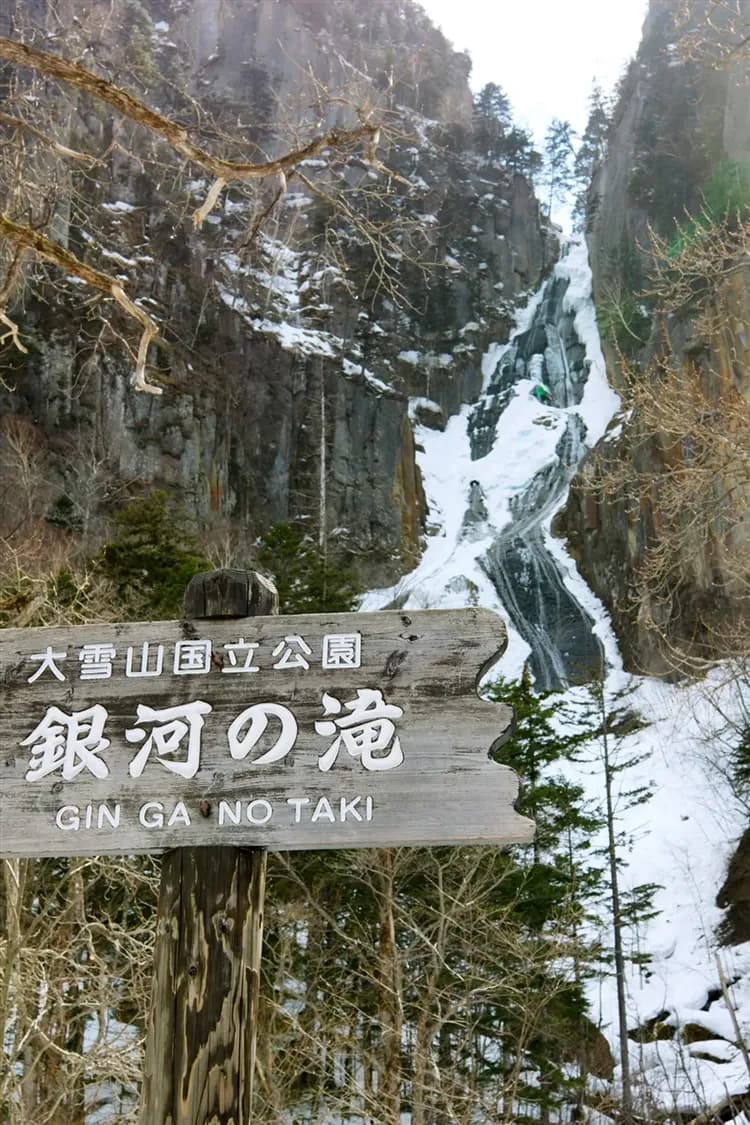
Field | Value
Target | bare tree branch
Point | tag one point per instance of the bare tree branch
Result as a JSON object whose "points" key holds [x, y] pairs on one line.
{"points": [[62, 150], [26, 238], [176, 135], [12, 332], [20, 226]]}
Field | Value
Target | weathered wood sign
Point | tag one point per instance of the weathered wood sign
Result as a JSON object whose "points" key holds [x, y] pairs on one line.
{"points": [[282, 733]]}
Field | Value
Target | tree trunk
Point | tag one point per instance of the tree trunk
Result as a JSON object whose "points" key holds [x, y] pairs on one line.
{"points": [[391, 1015], [200, 1054], [622, 1018]]}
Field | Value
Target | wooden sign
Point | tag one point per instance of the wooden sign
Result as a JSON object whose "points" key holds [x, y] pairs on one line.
{"points": [[273, 732]]}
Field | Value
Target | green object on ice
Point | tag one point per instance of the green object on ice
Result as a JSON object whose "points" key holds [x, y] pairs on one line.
{"points": [[541, 393]]}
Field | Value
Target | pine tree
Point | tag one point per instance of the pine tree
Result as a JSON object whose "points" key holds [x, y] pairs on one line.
{"points": [[558, 160], [497, 138], [559, 873], [153, 554], [591, 152], [519, 153], [308, 581], [492, 120], [462, 956], [614, 721]]}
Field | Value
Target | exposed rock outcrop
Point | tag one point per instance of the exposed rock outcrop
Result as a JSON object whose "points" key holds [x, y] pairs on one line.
{"points": [[288, 371], [679, 145]]}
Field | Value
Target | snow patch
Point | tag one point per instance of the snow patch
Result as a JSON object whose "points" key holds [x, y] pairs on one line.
{"points": [[119, 206]]}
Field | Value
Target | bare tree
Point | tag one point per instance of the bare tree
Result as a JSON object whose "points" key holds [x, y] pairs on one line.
{"points": [[73, 986], [683, 474], [715, 33], [403, 980], [30, 175]]}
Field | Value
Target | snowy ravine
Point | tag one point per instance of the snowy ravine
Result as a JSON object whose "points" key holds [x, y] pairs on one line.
{"points": [[494, 480]]}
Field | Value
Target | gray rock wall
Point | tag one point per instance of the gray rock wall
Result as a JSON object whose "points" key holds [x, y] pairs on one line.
{"points": [[286, 373], [681, 117]]}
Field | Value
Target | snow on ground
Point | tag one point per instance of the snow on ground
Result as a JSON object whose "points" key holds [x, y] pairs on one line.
{"points": [[683, 837], [279, 281]]}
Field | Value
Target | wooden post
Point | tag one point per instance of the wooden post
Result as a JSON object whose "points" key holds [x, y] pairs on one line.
{"points": [[200, 1049]]}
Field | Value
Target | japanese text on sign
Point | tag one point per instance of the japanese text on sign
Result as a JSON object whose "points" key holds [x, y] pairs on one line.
{"points": [[339, 651], [71, 743]]}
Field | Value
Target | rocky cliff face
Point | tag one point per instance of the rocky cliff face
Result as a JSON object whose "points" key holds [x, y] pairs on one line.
{"points": [[292, 356], [667, 214]]}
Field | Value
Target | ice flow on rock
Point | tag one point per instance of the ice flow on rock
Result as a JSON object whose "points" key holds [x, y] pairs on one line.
{"points": [[501, 470]]}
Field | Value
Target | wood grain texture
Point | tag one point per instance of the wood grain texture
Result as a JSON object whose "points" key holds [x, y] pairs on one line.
{"points": [[200, 1050], [427, 663], [200, 1047], [230, 593]]}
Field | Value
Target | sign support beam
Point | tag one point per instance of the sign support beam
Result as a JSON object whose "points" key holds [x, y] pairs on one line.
{"points": [[201, 1039]]}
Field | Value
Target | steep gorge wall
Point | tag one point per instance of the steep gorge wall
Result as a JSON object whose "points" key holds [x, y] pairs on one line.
{"points": [[288, 373], [680, 133]]}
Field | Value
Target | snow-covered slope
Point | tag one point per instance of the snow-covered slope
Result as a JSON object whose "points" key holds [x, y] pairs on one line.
{"points": [[494, 480], [492, 501], [681, 839]]}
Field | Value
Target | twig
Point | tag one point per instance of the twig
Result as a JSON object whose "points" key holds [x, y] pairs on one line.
{"points": [[12, 332], [176, 135], [43, 247]]}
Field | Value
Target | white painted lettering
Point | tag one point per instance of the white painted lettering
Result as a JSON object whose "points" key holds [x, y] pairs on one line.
{"points": [[367, 732], [192, 658], [288, 658], [323, 809], [96, 661], [259, 811], [229, 815], [164, 731], [368, 808], [46, 661], [342, 650], [242, 741], [68, 818], [71, 818], [70, 743], [151, 815], [112, 815], [298, 802], [236, 649], [178, 815], [347, 807], [144, 668]]}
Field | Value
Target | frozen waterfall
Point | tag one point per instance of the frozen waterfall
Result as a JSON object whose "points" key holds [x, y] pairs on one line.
{"points": [[498, 474]]}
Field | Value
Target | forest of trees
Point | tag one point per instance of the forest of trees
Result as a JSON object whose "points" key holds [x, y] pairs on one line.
{"points": [[448, 984], [472, 960]]}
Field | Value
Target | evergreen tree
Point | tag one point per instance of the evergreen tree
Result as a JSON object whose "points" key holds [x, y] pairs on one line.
{"points": [[463, 953], [558, 160], [565, 864], [497, 138], [151, 558], [591, 151], [519, 153], [541, 738], [593, 146], [614, 721], [492, 121], [308, 581], [556, 876]]}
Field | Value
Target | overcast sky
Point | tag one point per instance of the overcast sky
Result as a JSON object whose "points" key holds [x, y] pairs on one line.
{"points": [[544, 53]]}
